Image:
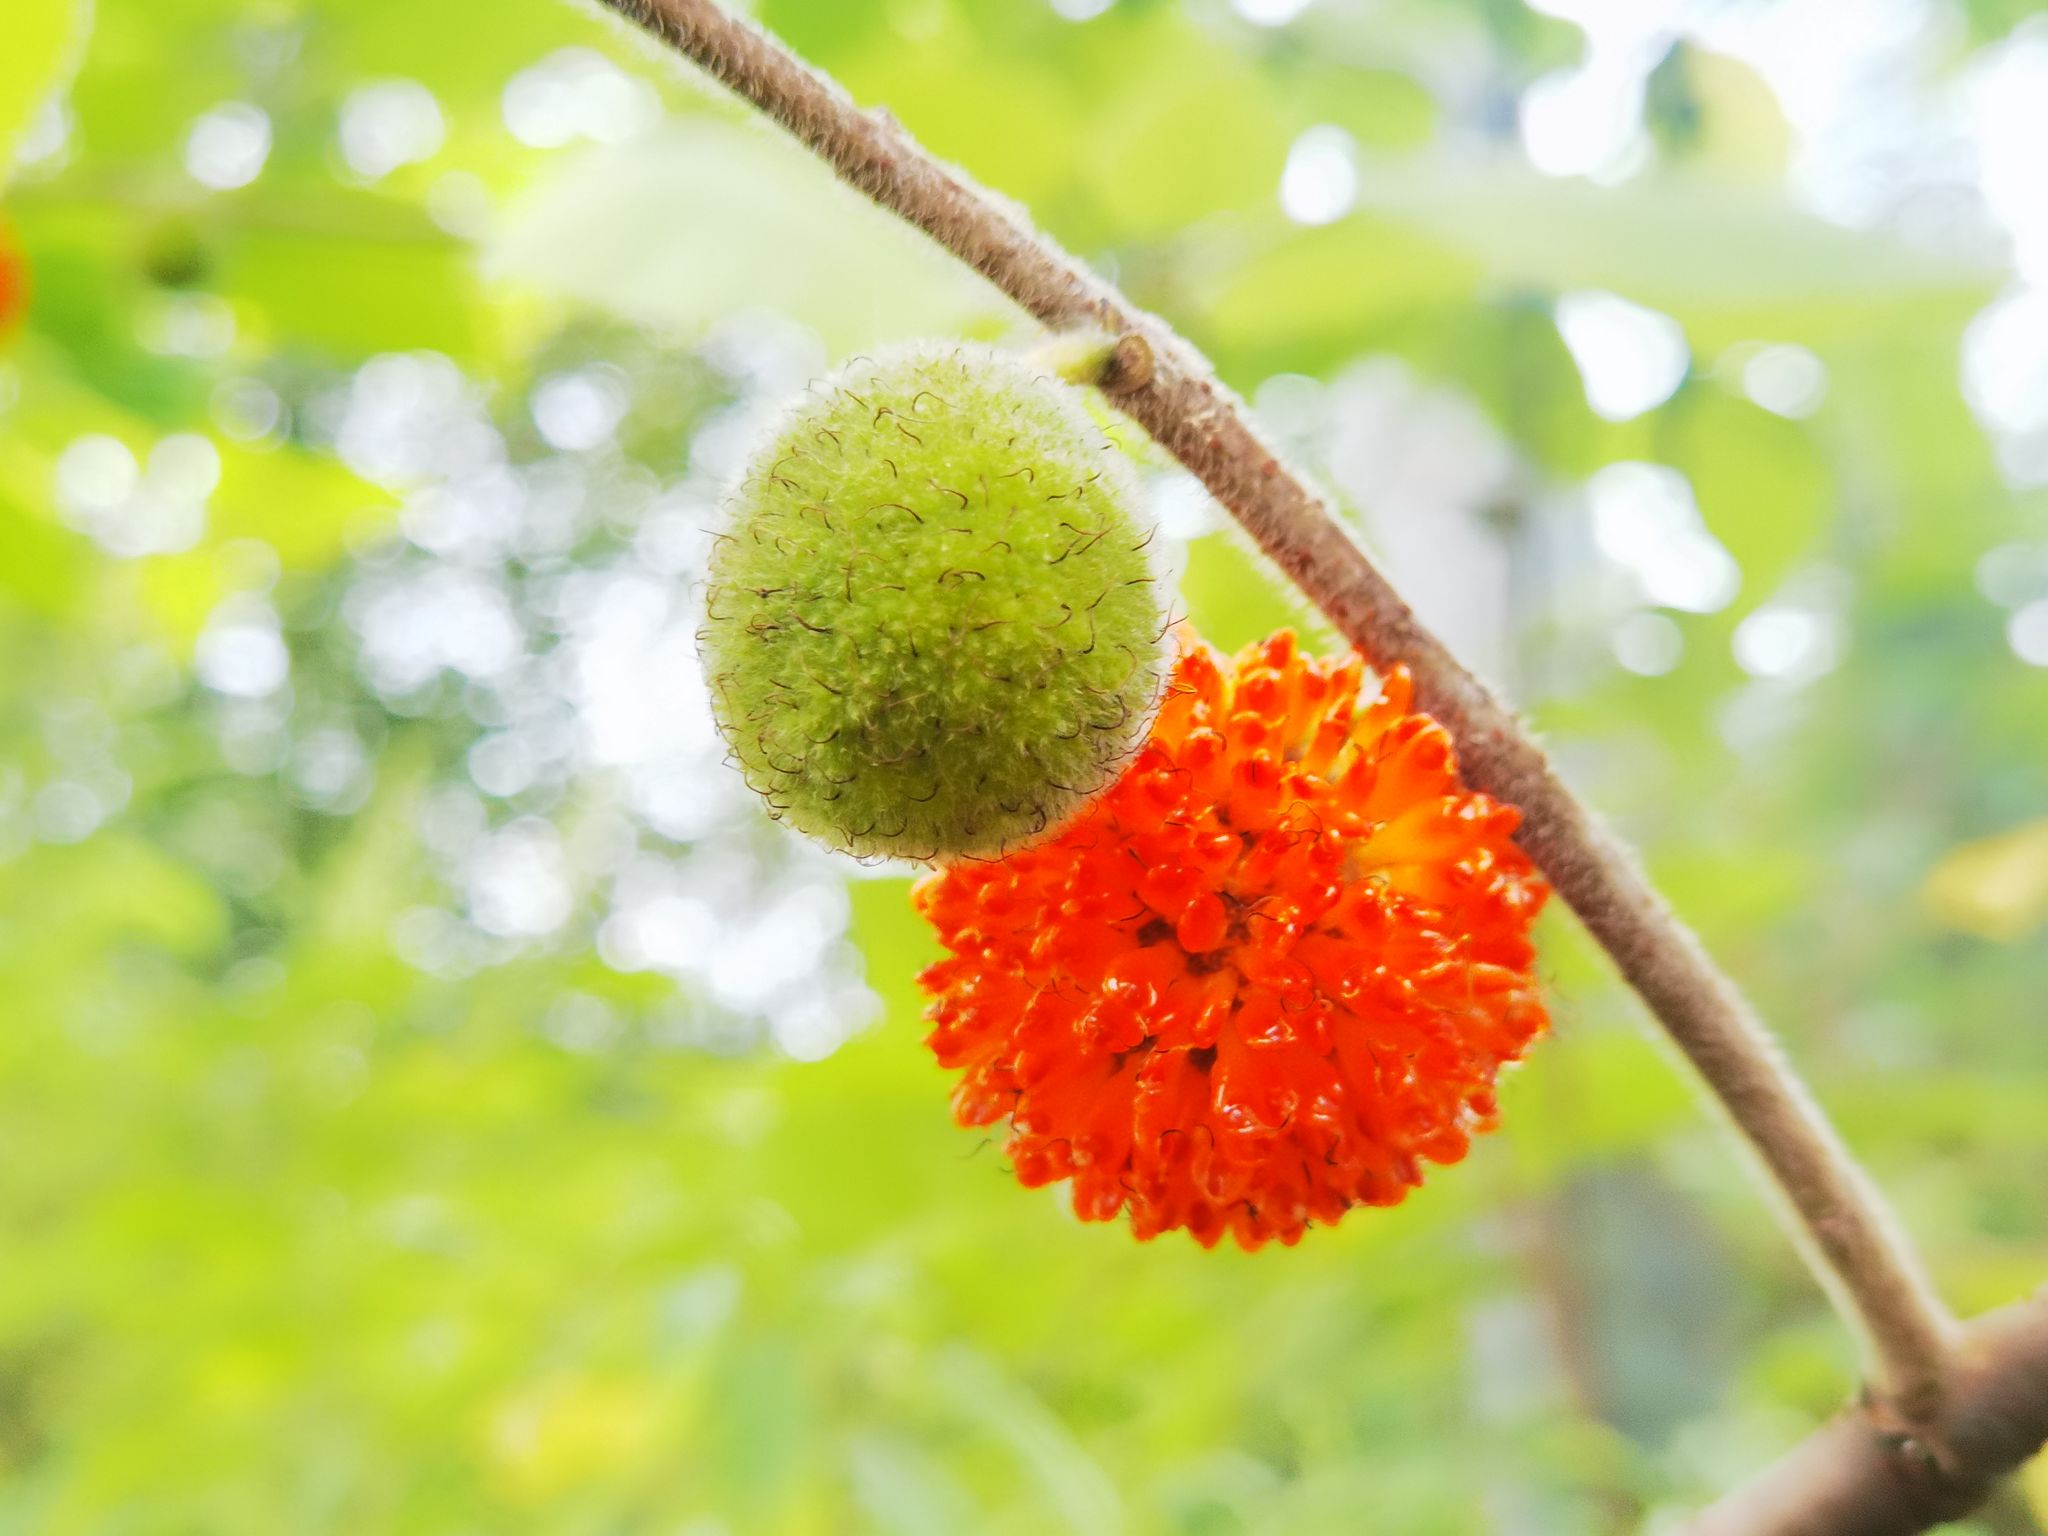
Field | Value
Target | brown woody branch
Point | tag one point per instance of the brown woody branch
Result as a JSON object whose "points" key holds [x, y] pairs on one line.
{"points": [[1861, 1476], [1171, 390]]}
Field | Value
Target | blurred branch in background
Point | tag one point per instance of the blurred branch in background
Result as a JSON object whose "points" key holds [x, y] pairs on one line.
{"points": [[1907, 1426]]}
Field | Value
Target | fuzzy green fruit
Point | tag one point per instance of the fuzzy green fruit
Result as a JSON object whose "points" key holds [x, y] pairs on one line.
{"points": [[933, 630]]}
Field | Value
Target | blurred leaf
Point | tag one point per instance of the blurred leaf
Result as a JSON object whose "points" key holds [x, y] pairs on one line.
{"points": [[45, 40], [905, 1492], [362, 274], [1312, 297], [1204, 138], [703, 220], [113, 892], [1743, 131], [303, 506], [565, 1432], [1996, 887], [1233, 596], [92, 314], [1678, 243], [41, 567], [2033, 1480], [1384, 109], [1762, 484], [1592, 1097], [1072, 1484], [1013, 126], [1995, 18], [464, 64]]}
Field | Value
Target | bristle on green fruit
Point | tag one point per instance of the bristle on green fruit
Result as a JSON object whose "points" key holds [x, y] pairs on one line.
{"points": [[933, 629]]}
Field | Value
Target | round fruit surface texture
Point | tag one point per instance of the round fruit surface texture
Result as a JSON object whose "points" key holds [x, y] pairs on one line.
{"points": [[932, 627]]}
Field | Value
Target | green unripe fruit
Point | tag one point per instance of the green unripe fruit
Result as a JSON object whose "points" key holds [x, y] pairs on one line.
{"points": [[933, 629]]}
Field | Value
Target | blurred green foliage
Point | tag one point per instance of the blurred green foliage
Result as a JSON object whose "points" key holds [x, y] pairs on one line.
{"points": [[336, 1198]]}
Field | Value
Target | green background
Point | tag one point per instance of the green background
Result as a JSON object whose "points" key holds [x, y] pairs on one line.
{"points": [[406, 1115]]}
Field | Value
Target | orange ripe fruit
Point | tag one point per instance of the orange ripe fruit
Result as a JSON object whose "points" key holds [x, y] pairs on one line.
{"points": [[1267, 977]]}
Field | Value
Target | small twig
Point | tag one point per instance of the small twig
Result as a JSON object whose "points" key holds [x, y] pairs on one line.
{"points": [[1869, 1269]]}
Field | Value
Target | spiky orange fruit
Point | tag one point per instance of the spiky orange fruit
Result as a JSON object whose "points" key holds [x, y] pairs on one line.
{"points": [[1266, 977]]}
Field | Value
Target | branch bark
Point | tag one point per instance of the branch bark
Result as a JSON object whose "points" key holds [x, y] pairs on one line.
{"points": [[1856, 1477], [1171, 390]]}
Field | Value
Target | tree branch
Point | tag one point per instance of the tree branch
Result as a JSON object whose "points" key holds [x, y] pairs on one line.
{"points": [[1869, 1270], [1854, 1477]]}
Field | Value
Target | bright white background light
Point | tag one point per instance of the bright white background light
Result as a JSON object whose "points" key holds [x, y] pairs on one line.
{"points": [[1630, 358], [227, 147], [1649, 644], [1785, 380], [389, 124], [1646, 520], [1270, 13], [577, 93], [2027, 632], [241, 651], [1786, 641], [1320, 181]]}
